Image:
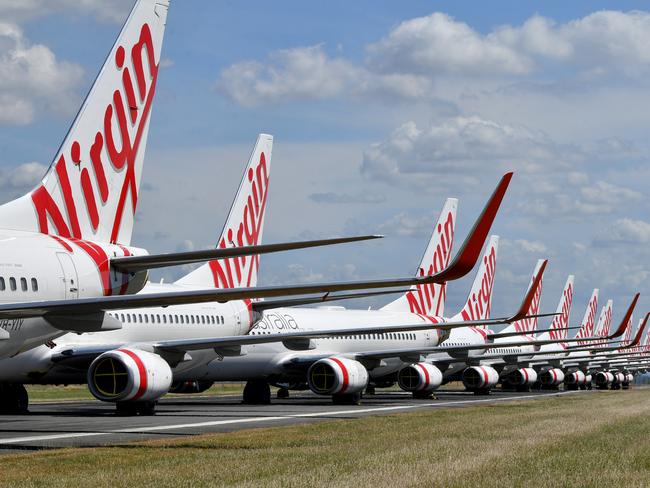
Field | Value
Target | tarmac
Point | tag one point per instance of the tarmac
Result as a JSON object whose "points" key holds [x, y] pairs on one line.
{"points": [[93, 423]]}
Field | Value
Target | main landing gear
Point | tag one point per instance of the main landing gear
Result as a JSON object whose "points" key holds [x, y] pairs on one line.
{"points": [[129, 409], [257, 392], [13, 399]]}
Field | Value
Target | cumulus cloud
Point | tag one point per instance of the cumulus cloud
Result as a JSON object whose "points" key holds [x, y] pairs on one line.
{"points": [[32, 79], [407, 225], [20, 179], [628, 231], [104, 10], [344, 198]]}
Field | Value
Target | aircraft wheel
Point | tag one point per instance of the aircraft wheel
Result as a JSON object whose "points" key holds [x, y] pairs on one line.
{"points": [[14, 399], [283, 393], [257, 392], [348, 399]]}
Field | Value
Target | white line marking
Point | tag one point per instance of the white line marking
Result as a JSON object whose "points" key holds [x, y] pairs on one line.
{"points": [[157, 428]]}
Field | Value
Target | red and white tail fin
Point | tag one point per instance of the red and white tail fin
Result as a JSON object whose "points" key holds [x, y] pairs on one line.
{"points": [[589, 320], [244, 226], [430, 299], [627, 338], [605, 320], [529, 326], [558, 328], [90, 190], [479, 301]]}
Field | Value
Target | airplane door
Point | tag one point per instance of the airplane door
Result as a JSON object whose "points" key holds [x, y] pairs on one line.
{"points": [[70, 281]]}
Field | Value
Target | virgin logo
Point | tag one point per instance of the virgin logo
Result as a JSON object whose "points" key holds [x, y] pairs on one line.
{"points": [[130, 114], [239, 271], [587, 328], [562, 321], [478, 305], [428, 298]]}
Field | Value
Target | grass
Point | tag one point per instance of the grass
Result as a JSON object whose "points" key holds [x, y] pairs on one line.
{"points": [[599, 439], [49, 393]]}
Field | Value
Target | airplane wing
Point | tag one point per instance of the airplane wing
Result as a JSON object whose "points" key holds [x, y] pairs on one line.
{"points": [[133, 264], [64, 310]]}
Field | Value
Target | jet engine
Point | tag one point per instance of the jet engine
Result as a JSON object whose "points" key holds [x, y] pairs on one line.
{"points": [[551, 377], [129, 375], [480, 379], [575, 379], [603, 379], [419, 377], [520, 377], [629, 378], [337, 376]]}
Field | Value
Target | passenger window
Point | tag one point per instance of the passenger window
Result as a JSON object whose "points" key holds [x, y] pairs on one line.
{"points": [[164, 317], [12, 283], [23, 284], [182, 321], [34, 284], [2, 284], [140, 318], [146, 319]]}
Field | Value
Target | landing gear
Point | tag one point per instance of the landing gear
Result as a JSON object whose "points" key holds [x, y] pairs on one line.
{"points": [[347, 399], [370, 390], [130, 409], [13, 399], [423, 395], [257, 392], [283, 394]]}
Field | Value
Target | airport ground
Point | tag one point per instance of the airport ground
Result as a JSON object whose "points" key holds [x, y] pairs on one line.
{"points": [[581, 439]]}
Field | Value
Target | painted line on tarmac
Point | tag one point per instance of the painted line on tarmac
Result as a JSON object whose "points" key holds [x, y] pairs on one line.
{"points": [[214, 423]]}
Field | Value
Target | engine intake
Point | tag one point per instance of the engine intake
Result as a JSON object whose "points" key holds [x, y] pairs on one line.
{"points": [[520, 377], [480, 377], [603, 378], [577, 378], [337, 376], [551, 377], [129, 375], [419, 377]]}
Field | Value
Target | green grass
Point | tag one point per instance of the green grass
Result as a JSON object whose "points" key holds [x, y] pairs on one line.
{"points": [[599, 439], [50, 393]]}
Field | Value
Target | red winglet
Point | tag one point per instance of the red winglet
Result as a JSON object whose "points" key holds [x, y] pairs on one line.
{"points": [[470, 251], [639, 332], [530, 295], [626, 318]]}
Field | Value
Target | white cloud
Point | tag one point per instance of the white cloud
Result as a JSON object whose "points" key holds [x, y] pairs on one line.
{"points": [[628, 231], [20, 179], [32, 79], [104, 10]]}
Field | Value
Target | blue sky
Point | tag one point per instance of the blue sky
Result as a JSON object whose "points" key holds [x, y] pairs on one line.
{"points": [[380, 111]]}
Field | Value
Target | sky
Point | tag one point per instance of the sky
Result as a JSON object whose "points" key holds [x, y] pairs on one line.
{"points": [[380, 111]]}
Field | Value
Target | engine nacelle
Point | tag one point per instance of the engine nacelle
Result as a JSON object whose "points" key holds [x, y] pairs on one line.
{"points": [[480, 377], [588, 379], [337, 376], [520, 377], [619, 378], [603, 378], [419, 377], [125, 375], [577, 378], [629, 378], [551, 377], [190, 386]]}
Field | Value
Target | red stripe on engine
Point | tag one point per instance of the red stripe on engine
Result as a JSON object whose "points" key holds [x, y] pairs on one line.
{"points": [[346, 378], [485, 375], [141, 370], [525, 376], [426, 376]]}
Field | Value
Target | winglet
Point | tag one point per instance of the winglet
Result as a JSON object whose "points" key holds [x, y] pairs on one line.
{"points": [[530, 295], [470, 251], [626, 318], [639, 332]]}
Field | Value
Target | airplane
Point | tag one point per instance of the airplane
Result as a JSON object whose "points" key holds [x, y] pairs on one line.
{"points": [[68, 260], [154, 341]]}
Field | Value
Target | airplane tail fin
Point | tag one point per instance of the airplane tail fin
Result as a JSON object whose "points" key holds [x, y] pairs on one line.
{"points": [[244, 226], [529, 325], [605, 320], [589, 319], [90, 190], [429, 299], [479, 301], [560, 323]]}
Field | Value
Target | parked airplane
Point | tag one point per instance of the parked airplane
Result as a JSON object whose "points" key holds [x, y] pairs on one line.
{"points": [[154, 340]]}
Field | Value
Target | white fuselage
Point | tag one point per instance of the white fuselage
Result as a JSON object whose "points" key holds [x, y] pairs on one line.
{"points": [[211, 320], [39, 267]]}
